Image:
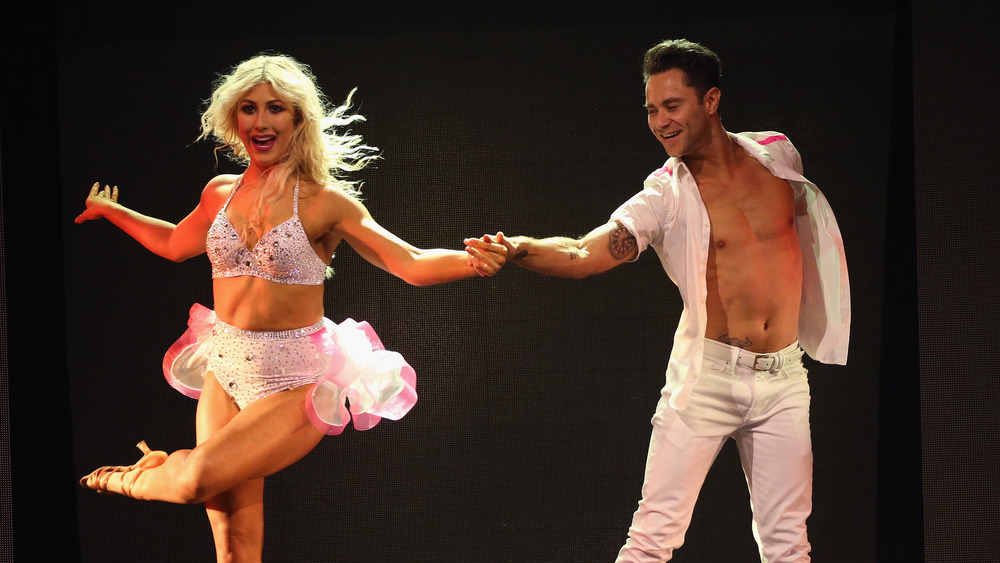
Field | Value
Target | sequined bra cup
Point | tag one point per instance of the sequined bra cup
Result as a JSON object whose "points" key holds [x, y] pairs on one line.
{"points": [[282, 255]]}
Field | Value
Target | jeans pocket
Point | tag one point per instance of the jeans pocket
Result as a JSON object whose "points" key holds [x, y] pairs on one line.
{"points": [[795, 371], [716, 365]]}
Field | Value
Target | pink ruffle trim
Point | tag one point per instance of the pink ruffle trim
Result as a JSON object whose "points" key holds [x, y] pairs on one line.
{"points": [[185, 361], [364, 382]]}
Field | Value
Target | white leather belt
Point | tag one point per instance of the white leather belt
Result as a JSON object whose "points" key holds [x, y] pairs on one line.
{"points": [[760, 362]]}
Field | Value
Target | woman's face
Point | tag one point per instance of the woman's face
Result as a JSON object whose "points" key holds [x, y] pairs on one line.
{"points": [[265, 123]]}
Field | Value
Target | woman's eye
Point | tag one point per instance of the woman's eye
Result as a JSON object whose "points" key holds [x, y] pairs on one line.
{"points": [[247, 109]]}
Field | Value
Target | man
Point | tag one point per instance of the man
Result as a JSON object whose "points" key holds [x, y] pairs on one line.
{"points": [[758, 258]]}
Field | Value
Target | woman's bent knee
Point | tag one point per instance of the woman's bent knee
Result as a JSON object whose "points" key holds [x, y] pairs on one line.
{"points": [[194, 483]]}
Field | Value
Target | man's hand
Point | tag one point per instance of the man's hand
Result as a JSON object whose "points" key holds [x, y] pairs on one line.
{"points": [[487, 254]]}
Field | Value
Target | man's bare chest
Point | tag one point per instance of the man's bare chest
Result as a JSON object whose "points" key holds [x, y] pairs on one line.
{"points": [[748, 208]]}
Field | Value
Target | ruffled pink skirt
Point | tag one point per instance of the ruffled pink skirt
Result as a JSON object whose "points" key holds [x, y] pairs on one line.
{"points": [[364, 382]]}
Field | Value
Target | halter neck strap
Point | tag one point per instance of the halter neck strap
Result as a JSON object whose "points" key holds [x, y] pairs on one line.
{"points": [[232, 192]]}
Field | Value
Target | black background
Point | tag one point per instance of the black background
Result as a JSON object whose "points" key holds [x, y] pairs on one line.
{"points": [[529, 438]]}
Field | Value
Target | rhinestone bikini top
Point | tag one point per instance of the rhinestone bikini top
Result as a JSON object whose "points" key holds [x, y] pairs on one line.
{"points": [[282, 255]]}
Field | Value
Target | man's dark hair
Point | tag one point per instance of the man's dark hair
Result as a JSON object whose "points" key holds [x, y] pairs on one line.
{"points": [[701, 66]]}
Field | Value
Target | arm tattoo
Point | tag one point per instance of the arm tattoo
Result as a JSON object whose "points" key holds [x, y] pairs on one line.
{"points": [[734, 341], [621, 243], [521, 255], [573, 251]]}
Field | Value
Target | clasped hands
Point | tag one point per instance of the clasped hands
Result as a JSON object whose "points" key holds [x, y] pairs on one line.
{"points": [[488, 253]]}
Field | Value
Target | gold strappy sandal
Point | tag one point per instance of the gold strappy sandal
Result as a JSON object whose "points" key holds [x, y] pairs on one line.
{"points": [[99, 478]]}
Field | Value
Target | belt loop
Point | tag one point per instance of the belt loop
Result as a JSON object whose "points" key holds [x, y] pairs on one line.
{"points": [[779, 363]]}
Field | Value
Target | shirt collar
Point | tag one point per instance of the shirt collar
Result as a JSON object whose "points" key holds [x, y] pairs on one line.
{"points": [[760, 152]]}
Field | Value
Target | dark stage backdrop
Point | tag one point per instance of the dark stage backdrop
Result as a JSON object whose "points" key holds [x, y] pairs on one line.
{"points": [[529, 439], [955, 51], [6, 492]]}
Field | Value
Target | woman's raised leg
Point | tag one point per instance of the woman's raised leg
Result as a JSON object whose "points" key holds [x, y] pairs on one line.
{"points": [[265, 437]]}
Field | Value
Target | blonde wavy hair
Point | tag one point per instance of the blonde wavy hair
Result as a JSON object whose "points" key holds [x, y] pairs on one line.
{"points": [[317, 153]]}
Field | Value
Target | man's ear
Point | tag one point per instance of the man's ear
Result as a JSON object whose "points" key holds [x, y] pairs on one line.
{"points": [[712, 99]]}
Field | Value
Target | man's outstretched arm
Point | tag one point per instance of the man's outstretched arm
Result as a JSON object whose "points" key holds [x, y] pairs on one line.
{"points": [[598, 251]]}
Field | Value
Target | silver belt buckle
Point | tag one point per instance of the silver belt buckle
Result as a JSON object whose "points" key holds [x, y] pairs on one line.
{"points": [[765, 357]]}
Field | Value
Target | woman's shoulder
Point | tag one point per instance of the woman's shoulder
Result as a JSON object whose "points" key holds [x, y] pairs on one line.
{"points": [[329, 201], [222, 182], [328, 195], [219, 187], [309, 188]]}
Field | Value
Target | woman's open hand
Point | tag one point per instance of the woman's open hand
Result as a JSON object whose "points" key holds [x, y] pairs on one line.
{"points": [[98, 201]]}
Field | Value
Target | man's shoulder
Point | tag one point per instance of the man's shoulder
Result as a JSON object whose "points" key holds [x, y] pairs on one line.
{"points": [[665, 174], [775, 146], [765, 138]]}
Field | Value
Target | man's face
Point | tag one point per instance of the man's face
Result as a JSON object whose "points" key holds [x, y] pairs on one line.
{"points": [[678, 119]]}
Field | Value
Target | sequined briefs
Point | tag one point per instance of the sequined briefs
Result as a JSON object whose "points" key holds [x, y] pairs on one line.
{"points": [[354, 378], [251, 365]]}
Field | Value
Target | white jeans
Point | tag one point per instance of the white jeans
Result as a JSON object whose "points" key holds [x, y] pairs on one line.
{"points": [[767, 413]]}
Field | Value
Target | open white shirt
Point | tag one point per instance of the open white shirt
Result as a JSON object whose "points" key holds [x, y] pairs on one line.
{"points": [[669, 215]]}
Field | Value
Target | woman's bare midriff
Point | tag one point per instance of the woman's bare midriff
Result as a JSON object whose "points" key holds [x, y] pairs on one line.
{"points": [[258, 304]]}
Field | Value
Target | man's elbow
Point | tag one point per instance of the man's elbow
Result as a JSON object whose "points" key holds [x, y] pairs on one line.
{"points": [[580, 273], [592, 267]]}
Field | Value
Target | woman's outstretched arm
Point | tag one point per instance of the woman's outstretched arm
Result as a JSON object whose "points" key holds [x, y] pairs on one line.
{"points": [[173, 242], [413, 265]]}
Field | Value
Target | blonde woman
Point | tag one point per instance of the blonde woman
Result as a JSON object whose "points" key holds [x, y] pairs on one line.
{"points": [[270, 372]]}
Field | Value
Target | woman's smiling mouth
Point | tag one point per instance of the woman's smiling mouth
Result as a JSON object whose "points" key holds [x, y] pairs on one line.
{"points": [[263, 142]]}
